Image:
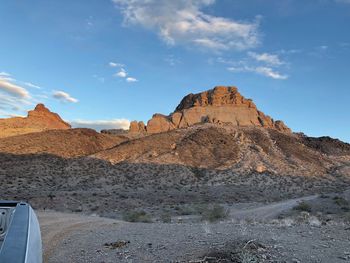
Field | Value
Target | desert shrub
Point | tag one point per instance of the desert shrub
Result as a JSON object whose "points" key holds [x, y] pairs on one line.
{"points": [[137, 216], [247, 257], [347, 217], [186, 210], [166, 218], [214, 213], [340, 201], [303, 206]]}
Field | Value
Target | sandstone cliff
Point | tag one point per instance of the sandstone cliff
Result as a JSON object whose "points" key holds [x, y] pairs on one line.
{"points": [[219, 105], [39, 119]]}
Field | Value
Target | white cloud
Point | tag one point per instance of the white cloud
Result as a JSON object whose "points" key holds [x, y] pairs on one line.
{"points": [[121, 74], [184, 22], [265, 71], [12, 104], [31, 85], [102, 124], [130, 79], [115, 65], [64, 97], [269, 72], [270, 59], [15, 97], [13, 89], [4, 74]]}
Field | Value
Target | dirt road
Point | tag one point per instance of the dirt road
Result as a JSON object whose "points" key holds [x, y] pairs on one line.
{"points": [[57, 227], [72, 238], [269, 211]]}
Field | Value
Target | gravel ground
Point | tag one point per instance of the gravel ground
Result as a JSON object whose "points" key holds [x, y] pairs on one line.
{"points": [[74, 238]]}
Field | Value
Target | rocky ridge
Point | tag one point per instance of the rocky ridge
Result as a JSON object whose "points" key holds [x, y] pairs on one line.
{"points": [[219, 105], [39, 119]]}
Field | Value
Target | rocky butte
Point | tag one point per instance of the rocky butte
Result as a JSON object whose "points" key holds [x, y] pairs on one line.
{"points": [[219, 105], [39, 119]]}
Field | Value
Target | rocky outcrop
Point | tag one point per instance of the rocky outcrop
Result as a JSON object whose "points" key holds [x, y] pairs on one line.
{"points": [[219, 105], [137, 127], [44, 118], [159, 123], [39, 119]]}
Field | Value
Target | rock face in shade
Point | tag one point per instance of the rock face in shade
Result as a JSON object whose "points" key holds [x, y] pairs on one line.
{"points": [[39, 119], [219, 105]]}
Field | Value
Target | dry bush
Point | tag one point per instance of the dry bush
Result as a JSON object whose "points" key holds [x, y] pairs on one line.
{"points": [[214, 213], [137, 216], [303, 206]]}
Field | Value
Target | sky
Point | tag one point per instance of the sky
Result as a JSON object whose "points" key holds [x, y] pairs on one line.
{"points": [[103, 63]]}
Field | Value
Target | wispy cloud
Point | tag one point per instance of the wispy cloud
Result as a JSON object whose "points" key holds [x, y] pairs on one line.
{"points": [[13, 89], [31, 85], [271, 59], [4, 74], [121, 73], [264, 71], [13, 96], [183, 22], [101, 124], [271, 73], [130, 79], [115, 65], [265, 64], [64, 97], [172, 60], [100, 79]]}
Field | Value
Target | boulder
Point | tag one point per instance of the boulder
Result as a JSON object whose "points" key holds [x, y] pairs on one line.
{"points": [[159, 123], [137, 127]]}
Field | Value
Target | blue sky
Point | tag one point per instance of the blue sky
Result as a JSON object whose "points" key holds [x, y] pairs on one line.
{"points": [[100, 63]]}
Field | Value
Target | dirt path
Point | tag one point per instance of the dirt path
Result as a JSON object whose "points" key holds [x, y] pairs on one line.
{"points": [[270, 211], [72, 238], [57, 227]]}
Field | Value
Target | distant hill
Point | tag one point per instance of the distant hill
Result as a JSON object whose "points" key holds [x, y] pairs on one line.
{"points": [[63, 143], [39, 119]]}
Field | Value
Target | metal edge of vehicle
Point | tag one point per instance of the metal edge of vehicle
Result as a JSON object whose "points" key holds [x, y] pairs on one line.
{"points": [[22, 242]]}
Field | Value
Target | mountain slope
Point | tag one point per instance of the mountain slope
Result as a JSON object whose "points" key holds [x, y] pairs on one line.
{"points": [[63, 143], [241, 149]]}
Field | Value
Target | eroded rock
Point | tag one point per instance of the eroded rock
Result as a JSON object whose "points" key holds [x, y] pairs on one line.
{"points": [[219, 105]]}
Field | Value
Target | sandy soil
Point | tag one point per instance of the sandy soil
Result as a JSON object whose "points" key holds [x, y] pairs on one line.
{"points": [[76, 238]]}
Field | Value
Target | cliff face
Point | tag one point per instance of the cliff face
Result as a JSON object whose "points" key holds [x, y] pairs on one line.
{"points": [[219, 105], [39, 119]]}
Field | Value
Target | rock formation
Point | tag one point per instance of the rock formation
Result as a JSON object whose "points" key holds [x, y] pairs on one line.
{"points": [[219, 105], [39, 119], [137, 127]]}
